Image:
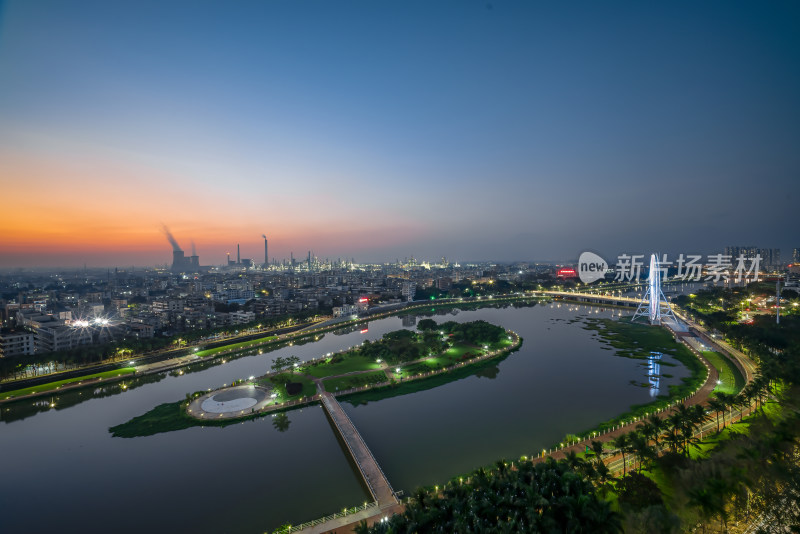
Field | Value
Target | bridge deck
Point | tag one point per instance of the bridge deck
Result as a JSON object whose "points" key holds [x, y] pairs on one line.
{"points": [[370, 470]]}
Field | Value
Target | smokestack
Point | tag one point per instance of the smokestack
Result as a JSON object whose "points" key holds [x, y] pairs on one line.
{"points": [[175, 246], [238, 256], [266, 256], [194, 250], [178, 261]]}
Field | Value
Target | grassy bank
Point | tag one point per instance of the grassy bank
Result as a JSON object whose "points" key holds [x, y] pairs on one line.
{"points": [[350, 362], [731, 380], [172, 416], [354, 381], [236, 346], [424, 384], [637, 341], [54, 386]]}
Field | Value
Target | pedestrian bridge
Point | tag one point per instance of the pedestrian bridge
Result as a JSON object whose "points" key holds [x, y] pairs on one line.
{"points": [[593, 298], [371, 472]]}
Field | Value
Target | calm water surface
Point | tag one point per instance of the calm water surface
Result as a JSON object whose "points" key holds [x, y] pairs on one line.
{"points": [[62, 470]]}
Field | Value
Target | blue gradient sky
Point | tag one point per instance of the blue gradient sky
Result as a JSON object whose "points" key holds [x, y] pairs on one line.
{"points": [[510, 130]]}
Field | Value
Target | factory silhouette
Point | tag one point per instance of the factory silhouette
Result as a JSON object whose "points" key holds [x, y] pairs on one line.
{"points": [[182, 263]]}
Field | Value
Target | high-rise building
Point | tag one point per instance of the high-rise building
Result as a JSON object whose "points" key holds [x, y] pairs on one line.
{"points": [[796, 255], [770, 257], [409, 290]]}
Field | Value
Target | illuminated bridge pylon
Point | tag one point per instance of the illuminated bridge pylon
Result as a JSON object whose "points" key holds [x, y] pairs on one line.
{"points": [[654, 305]]}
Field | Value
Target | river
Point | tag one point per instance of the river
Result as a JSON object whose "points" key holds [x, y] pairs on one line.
{"points": [[61, 469]]}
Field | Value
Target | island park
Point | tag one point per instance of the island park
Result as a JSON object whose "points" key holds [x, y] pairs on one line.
{"points": [[398, 357]]}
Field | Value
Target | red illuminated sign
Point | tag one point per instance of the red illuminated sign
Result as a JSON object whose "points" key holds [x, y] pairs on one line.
{"points": [[566, 273]]}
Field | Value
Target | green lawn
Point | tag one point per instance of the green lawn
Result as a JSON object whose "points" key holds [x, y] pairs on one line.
{"points": [[634, 340], [235, 346], [351, 363], [455, 352], [352, 381], [732, 380], [56, 385]]}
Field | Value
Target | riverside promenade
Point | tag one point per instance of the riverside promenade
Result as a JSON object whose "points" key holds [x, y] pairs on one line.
{"points": [[745, 365]]}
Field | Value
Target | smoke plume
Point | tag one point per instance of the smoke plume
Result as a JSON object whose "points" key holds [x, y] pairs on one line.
{"points": [[194, 250], [175, 246]]}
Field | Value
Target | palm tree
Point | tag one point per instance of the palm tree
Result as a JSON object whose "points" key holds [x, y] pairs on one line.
{"points": [[674, 424], [760, 386], [686, 426], [699, 414], [745, 401], [640, 446], [603, 476], [622, 443], [597, 450], [659, 425], [573, 460], [718, 406], [726, 401], [647, 430]]}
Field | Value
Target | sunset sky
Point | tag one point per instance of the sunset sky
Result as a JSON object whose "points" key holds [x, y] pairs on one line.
{"points": [[381, 130]]}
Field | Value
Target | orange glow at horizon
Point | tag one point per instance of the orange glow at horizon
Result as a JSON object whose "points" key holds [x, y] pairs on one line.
{"points": [[73, 208]]}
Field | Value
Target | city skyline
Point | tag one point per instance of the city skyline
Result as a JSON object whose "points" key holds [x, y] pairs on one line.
{"points": [[473, 131]]}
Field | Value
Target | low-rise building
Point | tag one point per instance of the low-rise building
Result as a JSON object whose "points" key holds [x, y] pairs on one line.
{"points": [[16, 343], [241, 317]]}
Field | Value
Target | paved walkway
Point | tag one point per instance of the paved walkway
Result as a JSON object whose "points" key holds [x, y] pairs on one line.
{"points": [[348, 523], [700, 397]]}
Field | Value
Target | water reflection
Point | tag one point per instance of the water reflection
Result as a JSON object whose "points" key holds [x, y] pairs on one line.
{"points": [[25, 408], [489, 372], [349, 329], [654, 372], [281, 422]]}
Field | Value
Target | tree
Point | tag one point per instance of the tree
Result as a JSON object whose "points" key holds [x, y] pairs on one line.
{"points": [[603, 474], [573, 460], [279, 364], [709, 503], [725, 400], [597, 450], [719, 407], [427, 324], [641, 449], [673, 437], [622, 443], [292, 362], [658, 426], [544, 497]]}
